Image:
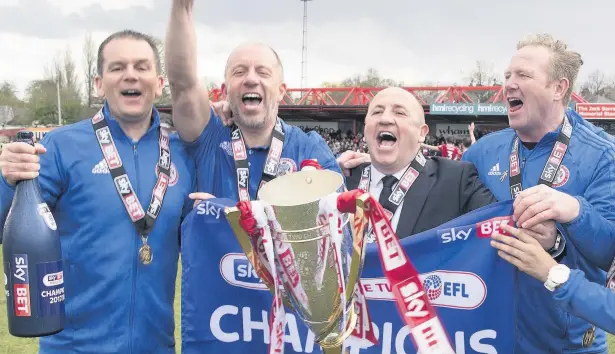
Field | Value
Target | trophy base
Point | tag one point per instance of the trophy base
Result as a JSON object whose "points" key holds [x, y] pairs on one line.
{"points": [[334, 343], [333, 350]]}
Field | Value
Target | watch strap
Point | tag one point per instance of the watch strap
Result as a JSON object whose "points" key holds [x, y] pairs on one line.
{"points": [[557, 251]]}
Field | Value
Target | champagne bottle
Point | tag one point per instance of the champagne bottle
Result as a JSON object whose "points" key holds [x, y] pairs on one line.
{"points": [[33, 272]]}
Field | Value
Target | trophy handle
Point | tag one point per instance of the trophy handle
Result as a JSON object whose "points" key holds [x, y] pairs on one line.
{"points": [[358, 248], [232, 216]]}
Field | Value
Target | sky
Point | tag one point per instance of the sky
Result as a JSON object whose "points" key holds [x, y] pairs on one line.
{"points": [[420, 43]]}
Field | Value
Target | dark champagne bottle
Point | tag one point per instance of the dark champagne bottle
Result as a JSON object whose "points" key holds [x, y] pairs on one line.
{"points": [[33, 272]]}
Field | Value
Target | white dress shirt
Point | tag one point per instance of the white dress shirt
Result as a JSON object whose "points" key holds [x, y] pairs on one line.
{"points": [[375, 188]]}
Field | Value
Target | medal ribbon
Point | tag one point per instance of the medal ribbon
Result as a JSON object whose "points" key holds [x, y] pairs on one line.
{"points": [[240, 155], [426, 329], [143, 221], [403, 186], [549, 172], [547, 177]]}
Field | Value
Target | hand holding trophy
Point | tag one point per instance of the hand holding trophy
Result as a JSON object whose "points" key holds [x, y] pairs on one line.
{"points": [[304, 237]]}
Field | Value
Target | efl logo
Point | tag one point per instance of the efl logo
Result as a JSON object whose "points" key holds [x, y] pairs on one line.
{"points": [[458, 290], [238, 271], [53, 279]]}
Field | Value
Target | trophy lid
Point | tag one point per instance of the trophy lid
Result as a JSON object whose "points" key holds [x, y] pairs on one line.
{"points": [[300, 188]]}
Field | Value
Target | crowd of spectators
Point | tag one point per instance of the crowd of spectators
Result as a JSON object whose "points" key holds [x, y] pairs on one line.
{"points": [[342, 141]]}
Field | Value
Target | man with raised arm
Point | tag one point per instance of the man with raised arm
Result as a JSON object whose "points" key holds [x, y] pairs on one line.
{"points": [[233, 162]]}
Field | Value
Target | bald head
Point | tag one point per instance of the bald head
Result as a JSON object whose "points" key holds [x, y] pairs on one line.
{"points": [[260, 50], [397, 96], [394, 129]]}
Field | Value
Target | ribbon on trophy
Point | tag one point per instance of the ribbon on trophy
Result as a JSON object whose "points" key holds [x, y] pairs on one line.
{"points": [[419, 315], [256, 223], [274, 261]]}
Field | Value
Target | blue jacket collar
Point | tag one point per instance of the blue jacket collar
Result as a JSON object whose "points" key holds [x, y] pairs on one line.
{"points": [[117, 131]]}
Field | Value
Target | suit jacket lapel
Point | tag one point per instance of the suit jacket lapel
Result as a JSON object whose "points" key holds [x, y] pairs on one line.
{"points": [[415, 199]]}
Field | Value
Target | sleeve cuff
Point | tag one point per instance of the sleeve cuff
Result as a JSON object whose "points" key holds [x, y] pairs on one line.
{"points": [[6, 185], [581, 218], [561, 291], [213, 120]]}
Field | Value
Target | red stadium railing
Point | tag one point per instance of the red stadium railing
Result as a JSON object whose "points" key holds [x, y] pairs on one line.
{"points": [[361, 96]]}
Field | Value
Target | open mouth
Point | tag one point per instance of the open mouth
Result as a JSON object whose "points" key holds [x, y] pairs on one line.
{"points": [[515, 104], [386, 139], [251, 99], [131, 93]]}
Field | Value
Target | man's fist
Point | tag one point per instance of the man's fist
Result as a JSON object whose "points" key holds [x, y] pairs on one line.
{"points": [[199, 197], [541, 203], [20, 161], [223, 110]]}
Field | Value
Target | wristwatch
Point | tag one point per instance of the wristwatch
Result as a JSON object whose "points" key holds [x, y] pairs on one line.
{"points": [[558, 275]]}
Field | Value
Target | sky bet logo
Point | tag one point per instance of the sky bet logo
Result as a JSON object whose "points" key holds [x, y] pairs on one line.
{"points": [[455, 234], [238, 271], [484, 229]]}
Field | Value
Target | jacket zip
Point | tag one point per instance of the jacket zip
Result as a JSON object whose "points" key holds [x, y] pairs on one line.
{"points": [[135, 252]]}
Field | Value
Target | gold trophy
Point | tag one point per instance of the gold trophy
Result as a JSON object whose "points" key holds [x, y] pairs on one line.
{"points": [[306, 253]]}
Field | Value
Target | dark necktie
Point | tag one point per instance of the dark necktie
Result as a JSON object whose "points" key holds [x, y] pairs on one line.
{"points": [[387, 188]]}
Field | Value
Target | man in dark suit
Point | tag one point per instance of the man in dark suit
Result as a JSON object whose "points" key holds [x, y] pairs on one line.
{"points": [[444, 190], [432, 191]]}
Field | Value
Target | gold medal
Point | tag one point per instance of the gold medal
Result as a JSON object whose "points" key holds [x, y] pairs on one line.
{"points": [[145, 253], [589, 336]]}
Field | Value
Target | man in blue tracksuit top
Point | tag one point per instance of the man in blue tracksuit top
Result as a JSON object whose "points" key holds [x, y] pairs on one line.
{"points": [[572, 292], [560, 167], [118, 298], [232, 162]]}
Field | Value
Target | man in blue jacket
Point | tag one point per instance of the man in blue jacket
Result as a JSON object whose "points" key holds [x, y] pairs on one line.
{"points": [[571, 291], [102, 177], [558, 166], [233, 162]]}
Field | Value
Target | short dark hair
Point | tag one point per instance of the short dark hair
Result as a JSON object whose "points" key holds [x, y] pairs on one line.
{"points": [[133, 35], [449, 139]]}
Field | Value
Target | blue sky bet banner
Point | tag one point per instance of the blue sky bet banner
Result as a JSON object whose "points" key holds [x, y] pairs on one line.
{"points": [[225, 307]]}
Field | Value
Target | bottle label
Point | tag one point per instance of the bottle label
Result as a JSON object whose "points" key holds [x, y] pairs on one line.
{"points": [[21, 285], [51, 287], [7, 273], [43, 210]]}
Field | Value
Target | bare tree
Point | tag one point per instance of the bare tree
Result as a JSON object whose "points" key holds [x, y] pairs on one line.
{"points": [[166, 90], [596, 83], [53, 72], [482, 75], [7, 113], [89, 68], [428, 96], [70, 73]]}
